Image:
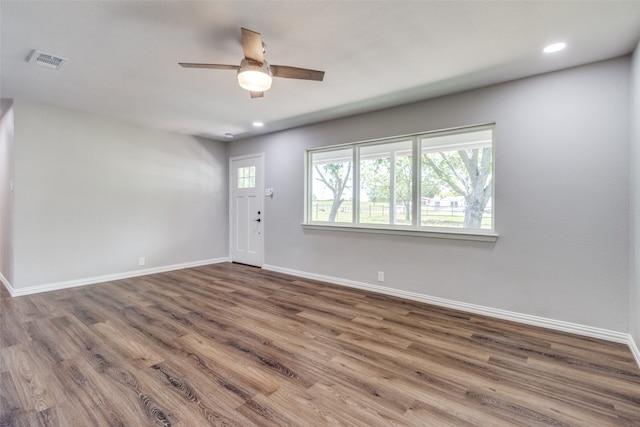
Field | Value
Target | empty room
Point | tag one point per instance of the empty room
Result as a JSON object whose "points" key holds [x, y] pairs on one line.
{"points": [[310, 213]]}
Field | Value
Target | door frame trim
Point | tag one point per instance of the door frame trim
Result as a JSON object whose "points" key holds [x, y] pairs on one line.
{"points": [[261, 196]]}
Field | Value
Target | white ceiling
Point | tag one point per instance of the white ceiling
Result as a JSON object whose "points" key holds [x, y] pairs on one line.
{"points": [[123, 55]]}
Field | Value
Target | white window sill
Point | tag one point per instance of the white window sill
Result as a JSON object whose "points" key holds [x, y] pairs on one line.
{"points": [[477, 236]]}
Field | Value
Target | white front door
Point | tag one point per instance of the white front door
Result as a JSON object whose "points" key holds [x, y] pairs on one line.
{"points": [[246, 211]]}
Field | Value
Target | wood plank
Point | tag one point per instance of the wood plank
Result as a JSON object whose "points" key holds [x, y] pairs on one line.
{"points": [[228, 344], [203, 407], [37, 388]]}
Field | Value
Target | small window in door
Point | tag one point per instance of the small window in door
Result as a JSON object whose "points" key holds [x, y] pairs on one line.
{"points": [[247, 177]]}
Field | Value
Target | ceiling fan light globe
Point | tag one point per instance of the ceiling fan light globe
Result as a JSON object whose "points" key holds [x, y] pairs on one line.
{"points": [[254, 77], [254, 81]]}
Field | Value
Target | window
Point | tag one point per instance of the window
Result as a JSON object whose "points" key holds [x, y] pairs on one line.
{"points": [[386, 183], [457, 176], [246, 177], [331, 186], [435, 181]]}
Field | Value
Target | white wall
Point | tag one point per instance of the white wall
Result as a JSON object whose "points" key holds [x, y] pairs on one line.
{"points": [[562, 200], [92, 195], [634, 294], [6, 195]]}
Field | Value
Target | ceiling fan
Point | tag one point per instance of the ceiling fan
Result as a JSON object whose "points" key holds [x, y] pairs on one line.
{"points": [[254, 73]]}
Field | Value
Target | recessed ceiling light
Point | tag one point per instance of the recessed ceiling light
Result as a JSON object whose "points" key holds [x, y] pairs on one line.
{"points": [[258, 124], [554, 47], [228, 135]]}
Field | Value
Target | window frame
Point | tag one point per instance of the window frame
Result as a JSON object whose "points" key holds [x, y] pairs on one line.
{"points": [[415, 229], [247, 177], [392, 176]]}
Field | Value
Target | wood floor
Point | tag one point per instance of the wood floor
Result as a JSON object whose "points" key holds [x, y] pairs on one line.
{"points": [[238, 346]]}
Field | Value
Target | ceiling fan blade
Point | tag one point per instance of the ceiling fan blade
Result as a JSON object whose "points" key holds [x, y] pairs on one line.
{"points": [[211, 66], [252, 45], [256, 94], [296, 73]]}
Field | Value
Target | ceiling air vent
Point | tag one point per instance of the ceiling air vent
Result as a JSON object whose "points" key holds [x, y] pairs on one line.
{"points": [[46, 60]]}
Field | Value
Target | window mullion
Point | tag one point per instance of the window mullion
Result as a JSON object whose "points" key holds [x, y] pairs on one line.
{"points": [[416, 190], [355, 193], [392, 188], [308, 190]]}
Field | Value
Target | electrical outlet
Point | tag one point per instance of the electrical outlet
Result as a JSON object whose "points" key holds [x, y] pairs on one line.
{"points": [[141, 261], [380, 276]]}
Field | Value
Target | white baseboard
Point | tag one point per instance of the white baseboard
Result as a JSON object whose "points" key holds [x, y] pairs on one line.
{"points": [[6, 283], [544, 322], [106, 278], [634, 349]]}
